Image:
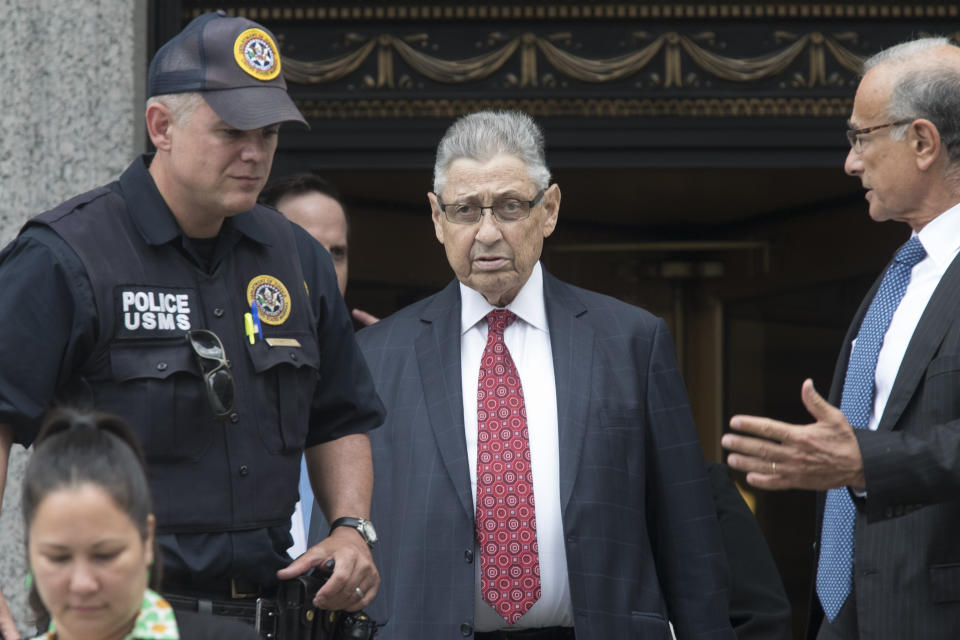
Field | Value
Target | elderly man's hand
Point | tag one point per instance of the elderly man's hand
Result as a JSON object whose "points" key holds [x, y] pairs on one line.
{"points": [[355, 578], [8, 630], [364, 318], [778, 455]]}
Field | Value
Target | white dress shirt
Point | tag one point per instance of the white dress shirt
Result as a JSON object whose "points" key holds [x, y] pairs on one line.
{"points": [[528, 340], [941, 240]]}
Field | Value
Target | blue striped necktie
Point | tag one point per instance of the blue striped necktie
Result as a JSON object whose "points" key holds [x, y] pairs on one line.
{"points": [[834, 570]]}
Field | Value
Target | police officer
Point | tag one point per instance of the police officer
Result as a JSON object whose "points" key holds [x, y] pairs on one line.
{"points": [[212, 325]]}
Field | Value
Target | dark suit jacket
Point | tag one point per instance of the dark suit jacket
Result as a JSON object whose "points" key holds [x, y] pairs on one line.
{"points": [[641, 534], [907, 535], [759, 607]]}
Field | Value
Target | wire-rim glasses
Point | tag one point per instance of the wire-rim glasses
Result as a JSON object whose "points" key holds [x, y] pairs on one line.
{"points": [[853, 135], [505, 210], [217, 378]]}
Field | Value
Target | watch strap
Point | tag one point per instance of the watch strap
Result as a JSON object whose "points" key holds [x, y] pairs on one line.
{"points": [[346, 521], [357, 524]]}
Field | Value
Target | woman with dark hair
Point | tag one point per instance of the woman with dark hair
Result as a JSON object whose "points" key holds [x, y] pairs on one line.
{"points": [[90, 538]]}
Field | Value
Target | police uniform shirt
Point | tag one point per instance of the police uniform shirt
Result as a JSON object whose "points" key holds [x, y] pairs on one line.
{"points": [[50, 329]]}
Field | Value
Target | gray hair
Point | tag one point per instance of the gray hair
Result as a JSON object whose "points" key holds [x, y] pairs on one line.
{"points": [[927, 90], [904, 51], [484, 135], [181, 105]]}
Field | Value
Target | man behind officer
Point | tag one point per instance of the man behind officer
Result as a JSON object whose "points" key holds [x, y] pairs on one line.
{"points": [[315, 204], [885, 447], [134, 297]]}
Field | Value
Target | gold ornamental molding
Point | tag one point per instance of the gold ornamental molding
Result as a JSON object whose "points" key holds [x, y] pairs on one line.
{"points": [[532, 47], [587, 108], [606, 11]]}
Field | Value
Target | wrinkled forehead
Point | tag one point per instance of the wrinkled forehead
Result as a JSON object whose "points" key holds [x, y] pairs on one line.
{"points": [[873, 96], [502, 174]]}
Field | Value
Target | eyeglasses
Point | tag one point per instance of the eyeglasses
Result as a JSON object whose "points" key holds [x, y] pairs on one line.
{"points": [[853, 135], [217, 378], [507, 210]]}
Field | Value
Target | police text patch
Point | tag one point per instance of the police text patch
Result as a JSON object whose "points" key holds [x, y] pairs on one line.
{"points": [[153, 312]]}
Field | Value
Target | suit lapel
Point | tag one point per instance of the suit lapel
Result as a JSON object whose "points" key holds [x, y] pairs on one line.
{"points": [[438, 355], [940, 314], [572, 344]]}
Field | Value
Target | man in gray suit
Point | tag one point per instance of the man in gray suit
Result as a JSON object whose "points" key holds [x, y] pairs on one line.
{"points": [[885, 448], [510, 384]]}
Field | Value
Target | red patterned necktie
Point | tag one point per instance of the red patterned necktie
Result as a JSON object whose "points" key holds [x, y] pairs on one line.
{"points": [[506, 521]]}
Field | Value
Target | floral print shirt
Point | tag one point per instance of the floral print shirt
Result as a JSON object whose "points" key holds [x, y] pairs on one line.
{"points": [[155, 622]]}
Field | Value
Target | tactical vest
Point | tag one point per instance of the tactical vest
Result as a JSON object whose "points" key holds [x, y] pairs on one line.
{"points": [[206, 474]]}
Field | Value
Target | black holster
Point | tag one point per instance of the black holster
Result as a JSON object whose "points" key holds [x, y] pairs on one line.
{"points": [[298, 619]]}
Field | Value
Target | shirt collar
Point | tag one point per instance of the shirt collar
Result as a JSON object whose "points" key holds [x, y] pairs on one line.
{"points": [[528, 305], [156, 620], [153, 217], [941, 237]]}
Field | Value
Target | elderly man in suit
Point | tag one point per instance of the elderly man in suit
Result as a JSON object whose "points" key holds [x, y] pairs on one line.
{"points": [[539, 474], [885, 448]]}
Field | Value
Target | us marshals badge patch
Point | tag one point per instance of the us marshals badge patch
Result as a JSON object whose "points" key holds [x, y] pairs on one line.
{"points": [[272, 298], [256, 53]]}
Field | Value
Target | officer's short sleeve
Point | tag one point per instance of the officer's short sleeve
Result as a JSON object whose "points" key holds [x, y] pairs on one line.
{"points": [[345, 401], [47, 326]]}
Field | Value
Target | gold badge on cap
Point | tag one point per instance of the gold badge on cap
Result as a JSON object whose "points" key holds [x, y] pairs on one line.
{"points": [[257, 54], [272, 298]]}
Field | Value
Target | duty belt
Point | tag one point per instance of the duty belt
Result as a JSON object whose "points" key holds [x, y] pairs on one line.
{"points": [[289, 616], [260, 613]]}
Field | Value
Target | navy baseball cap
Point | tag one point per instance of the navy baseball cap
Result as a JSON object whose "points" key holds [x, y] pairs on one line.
{"points": [[234, 63]]}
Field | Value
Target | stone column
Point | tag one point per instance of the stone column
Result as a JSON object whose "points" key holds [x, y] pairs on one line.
{"points": [[71, 114]]}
